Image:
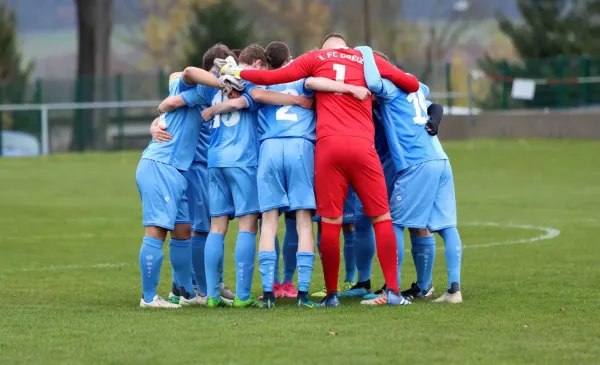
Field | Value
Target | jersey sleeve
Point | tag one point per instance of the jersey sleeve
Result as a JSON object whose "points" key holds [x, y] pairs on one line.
{"points": [[248, 92], [183, 86], [196, 96], [302, 67], [401, 79], [252, 104], [389, 92], [306, 92]]}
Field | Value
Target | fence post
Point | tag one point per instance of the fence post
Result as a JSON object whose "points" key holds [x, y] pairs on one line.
{"points": [[449, 86], [585, 63], [505, 85], [45, 130], [161, 84], [1, 121], [120, 117], [79, 129], [560, 72]]}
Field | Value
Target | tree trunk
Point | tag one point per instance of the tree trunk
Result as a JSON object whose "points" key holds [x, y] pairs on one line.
{"points": [[94, 20]]}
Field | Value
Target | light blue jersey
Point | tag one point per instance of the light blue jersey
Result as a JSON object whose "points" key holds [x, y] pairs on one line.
{"points": [[276, 121], [286, 164], [404, 116], [201, 155], [183, 124], [233, 138]]}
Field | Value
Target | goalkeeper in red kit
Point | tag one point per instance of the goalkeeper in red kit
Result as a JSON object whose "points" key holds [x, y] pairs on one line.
{"points": [[345, 152]]}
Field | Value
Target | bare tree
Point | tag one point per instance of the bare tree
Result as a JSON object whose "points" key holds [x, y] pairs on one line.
{"points": [[94, 19]]}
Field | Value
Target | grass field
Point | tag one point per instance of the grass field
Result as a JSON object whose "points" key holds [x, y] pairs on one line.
{"points": [[69, 280]]}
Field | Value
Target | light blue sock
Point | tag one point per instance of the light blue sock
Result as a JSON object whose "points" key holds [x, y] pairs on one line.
{"points": [[306, 261], [151, 258], [399, 231], [266, 266], [180, 253], [453, 253], [278, 255], [213, 258], [198, 245], [221, 269], [245, 250], [424, 251], [364, 248], [174, 277], [290, 248], [349, 257]]}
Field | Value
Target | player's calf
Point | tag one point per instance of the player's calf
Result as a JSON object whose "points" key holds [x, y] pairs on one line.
{"points": [[267, 256], [245, 252]]}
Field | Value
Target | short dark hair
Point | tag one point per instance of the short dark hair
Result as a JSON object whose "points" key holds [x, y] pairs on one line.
{"points": [[219, 50], [382, 55], [332, 35], [237, 52], [278, 53], [252, 53]]}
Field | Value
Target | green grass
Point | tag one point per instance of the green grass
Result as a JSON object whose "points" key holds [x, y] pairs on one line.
{"points": [[63, 214]]}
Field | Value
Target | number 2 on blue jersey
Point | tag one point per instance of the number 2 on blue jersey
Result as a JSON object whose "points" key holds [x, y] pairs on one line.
{"points": [[418, 101], [229, 119], [283, 112]]}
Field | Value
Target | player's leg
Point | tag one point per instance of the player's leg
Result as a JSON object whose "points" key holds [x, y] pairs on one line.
{"points": [[364, 251], [272, 196], [267, 256], [331, 188], [221, 208], [180, 253], [243, 184], [443, 221], [290, 248], [412, 201], [366, 176], [299, 171], [159, 216], [349, 234], [322, 292]]}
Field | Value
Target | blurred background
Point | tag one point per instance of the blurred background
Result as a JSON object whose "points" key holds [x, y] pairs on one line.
{"points": [[81, 75]]}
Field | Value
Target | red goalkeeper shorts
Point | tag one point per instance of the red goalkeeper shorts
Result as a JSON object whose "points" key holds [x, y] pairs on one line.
{"points": [[343, 160]]}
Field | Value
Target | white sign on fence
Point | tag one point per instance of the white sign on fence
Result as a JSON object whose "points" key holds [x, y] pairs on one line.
{"points": [[523, 89]]}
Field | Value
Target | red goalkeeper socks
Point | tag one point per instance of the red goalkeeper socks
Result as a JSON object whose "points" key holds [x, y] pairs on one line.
{"points": [[387, 253], [330, 254]]}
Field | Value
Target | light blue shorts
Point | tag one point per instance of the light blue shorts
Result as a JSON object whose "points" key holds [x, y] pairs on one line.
{"points": [[286, 174], [423, 197], [197, 196], [232, 191], [349, 207], [162, 190]]}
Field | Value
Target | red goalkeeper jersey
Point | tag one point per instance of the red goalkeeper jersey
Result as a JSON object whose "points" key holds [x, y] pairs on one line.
{"points": [[337, 114]]}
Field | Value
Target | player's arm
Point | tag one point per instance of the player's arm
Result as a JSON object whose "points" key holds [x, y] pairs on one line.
{"points": [[158, 132], [401, 79], [171, 103], [299, 69], [195, 75], [435, 112], [226, 106], [276, 98], [330, 86]]}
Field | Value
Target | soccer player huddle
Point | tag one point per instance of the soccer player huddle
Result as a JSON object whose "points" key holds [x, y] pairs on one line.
{"points": [[240, 138]]}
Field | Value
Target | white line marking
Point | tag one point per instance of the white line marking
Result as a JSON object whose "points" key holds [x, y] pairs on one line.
{"points": [[548, 233], [66, 267]]}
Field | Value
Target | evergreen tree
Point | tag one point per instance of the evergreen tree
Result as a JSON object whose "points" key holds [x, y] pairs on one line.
{"points": [[221, 22], [554, 40], [14, 75]]}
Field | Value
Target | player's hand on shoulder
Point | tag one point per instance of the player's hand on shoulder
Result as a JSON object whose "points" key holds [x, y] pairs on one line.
{"points": [[360, 93], [159, 133], [306, 102]]}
